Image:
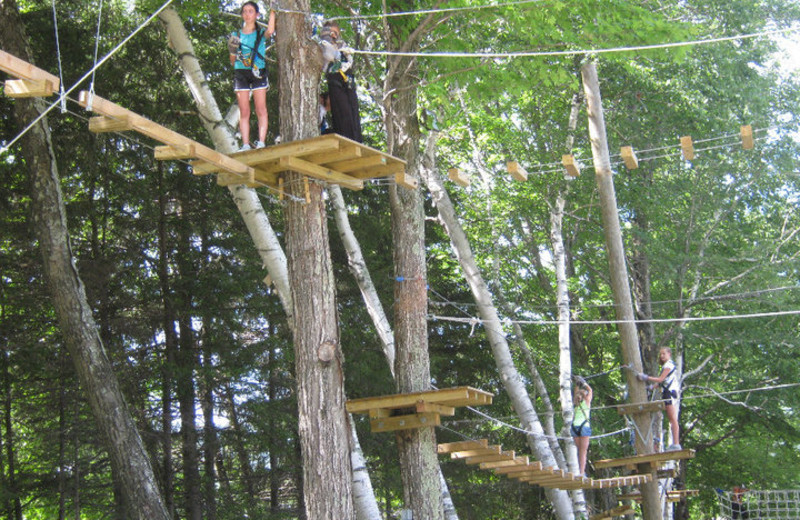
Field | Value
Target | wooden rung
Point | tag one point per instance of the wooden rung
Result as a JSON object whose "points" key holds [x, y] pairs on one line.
{"points": [[26, 88], [650, 406], [747, 137], [503, 456], [517, 171], [406, 181], [452, 447], [511, 470], [101, 124], [499, 464], [171, 153], [459, 178], [687, 147], [465, 454], [405, 422], [572, 167], [629, 157]]}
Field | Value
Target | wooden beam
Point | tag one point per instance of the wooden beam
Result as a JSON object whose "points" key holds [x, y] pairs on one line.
{"points": [[361, 163], [687, 147], [642, 459], [406, 181], [466, 454], [511, 470], [165, 135], [27, 88], [650, 406], [405, 422], [517, 171], [452, 447], [423, 406], [573, 168], [21, 69], [455, 175], [629, 157], [747, 137], [320, 172], [390, 168], [171, 153], [102, 124]]}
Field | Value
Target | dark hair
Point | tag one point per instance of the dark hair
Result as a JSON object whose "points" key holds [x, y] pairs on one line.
{"points": [[331, 23], [255, 6]]}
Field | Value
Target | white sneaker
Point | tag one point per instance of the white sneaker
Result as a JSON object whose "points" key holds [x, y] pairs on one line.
{"points": [[245, 147], [674, 447], [259, 144]]}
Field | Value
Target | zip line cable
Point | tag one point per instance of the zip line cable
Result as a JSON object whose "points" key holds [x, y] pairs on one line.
{"points": [[83, 78], [62, 97], [530, 54], [433, 11], [613, 322]]}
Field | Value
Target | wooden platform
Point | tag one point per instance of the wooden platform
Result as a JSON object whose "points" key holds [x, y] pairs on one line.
{"points": [[331, 158], [674, 495], [521, 468], [417, 409], [654, 459], [614, 513]]}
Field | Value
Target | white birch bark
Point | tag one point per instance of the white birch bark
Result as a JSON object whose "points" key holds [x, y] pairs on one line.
{"points": [[221, 133], [358, 267], [512, 380], [363, 495]]}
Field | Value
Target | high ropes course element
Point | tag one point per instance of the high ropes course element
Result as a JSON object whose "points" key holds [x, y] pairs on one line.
{"points": [[329, 158], [761, 504]]}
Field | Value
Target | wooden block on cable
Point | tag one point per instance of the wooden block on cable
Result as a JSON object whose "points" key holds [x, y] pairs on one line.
{"points": [[406, 181], [651, 458], [633, 408], [103, 124], [455, 175], [629, 157], [687, 147], [27, 88], [517, 171], [746, 132], [570, 165], [614, 513]]}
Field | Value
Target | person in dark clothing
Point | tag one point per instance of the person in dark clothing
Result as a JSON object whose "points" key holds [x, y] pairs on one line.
{"points": [[337, 62]]}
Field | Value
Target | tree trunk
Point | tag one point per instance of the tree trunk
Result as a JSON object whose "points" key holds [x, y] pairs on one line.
{"points": [[419, 466], [238, 440], [8, 471], [128, 456], [512, 380], [619, 277], [323, 421]]}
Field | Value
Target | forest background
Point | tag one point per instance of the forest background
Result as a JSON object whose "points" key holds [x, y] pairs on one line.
{"points": [[709, 238]]}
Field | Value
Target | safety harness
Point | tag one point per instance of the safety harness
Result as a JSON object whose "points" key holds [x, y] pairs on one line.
{"points": [[250, 61]]}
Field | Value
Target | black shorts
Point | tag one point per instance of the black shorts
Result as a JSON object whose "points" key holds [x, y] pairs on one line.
{"points": [[244, 79], [670, 396]]}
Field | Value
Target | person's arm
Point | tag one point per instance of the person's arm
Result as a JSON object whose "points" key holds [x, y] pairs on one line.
{"points": [[664, 373], [589, 394], [270, 24]]}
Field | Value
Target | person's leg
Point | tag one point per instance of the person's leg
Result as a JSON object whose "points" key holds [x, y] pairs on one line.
{"points": [[243, 99], [582, 443], [260, 102], [672, 415]]}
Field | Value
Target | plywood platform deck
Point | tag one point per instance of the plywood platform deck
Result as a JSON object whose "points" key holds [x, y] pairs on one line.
{"points": [[654, 459], [416, 409], [330, 158]]}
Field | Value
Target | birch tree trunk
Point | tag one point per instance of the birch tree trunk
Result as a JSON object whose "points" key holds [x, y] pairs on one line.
{"points": [[512, 380], [323, 421], [619, 277], [129, 459], [221, 133]]}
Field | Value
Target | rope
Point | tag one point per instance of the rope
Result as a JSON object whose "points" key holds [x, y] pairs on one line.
{"points": [[433, 11], [96, 47], [62, 97], [527, 54], [83, 78]]}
